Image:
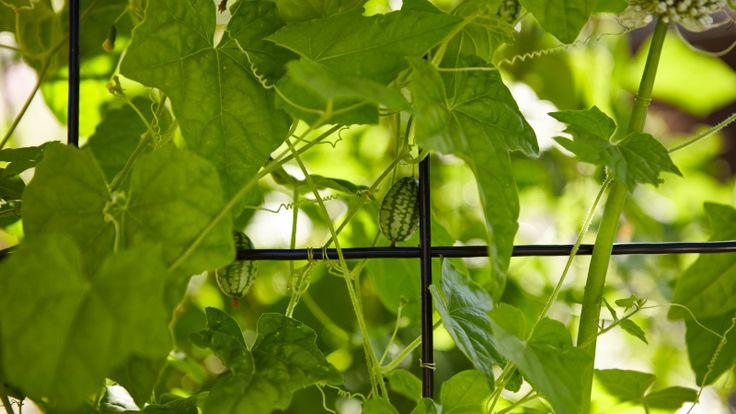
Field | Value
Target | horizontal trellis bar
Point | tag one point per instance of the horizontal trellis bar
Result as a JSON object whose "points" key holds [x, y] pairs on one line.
{"points": [[482, 251], [524, 250]]}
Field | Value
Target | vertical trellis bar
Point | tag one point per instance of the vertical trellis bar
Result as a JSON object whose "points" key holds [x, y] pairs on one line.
{"points": [[425, 254], [73, 103]]}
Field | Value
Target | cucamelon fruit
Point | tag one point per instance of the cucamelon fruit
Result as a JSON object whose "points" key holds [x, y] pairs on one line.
{"points": [[236, 278], [399, 214]]}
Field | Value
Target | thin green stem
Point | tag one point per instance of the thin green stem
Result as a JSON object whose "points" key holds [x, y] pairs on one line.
{"points": [[573, 253], [5, 400], [501, 382], [393, 334], [373, 367], [590, 313], [704, 134], [13, 48], [406, 351], [26, 104], [612, 325]]}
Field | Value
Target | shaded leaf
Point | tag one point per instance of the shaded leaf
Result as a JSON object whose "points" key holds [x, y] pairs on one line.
{"points": [[173, 197], [352, 100], [708, 286], [301, 10], [670, 398], [21, 159], [115, 138], [633, 329], [373, 48], [465, 392], [405, 383], [64, 328], [547, 360], [626, 385], [463, 305], [702, 346], [378, 406], [48, 208], [485, 33], [224, 112], [283, 360], [474, 116], [637, 158], [562, 18]]}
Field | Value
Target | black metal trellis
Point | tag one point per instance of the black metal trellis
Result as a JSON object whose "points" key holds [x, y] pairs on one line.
{"points": [[424, 252]]}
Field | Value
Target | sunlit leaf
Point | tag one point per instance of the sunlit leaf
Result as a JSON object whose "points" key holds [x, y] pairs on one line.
{"points": [[378, 406], [463, 305], [465, 393], [224, 112], [548, 360], [637, 158], [562, 18], [473, 115]]}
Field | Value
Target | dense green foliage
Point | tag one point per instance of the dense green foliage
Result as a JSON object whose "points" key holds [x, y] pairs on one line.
{"points": [[291, 121]]}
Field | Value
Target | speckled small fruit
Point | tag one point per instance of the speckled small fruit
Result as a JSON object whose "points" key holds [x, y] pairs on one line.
{"points": [[399, 214], [236, 278]]}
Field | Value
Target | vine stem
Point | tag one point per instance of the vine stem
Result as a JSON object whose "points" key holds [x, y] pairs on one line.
{"points": [[590, 314], [6, 401], [370, 356]]}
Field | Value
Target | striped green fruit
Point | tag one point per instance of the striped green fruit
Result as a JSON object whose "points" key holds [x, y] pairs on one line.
{"points": [[236, 278], [399, 214]]}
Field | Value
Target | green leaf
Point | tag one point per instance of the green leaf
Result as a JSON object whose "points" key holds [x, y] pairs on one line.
{"points": [[21, 159], [627, 303], [301, 10], [702, 346], [353, 100], [373, 48], [547, 360], [139, 375], [638, 158], [463, 305], [626, 385], [173, 197], [283, 360], [64, 329], [633, 329], [562, 18], [465, 392], [378, 406], [426, 406], [405, 383], [11, 187], [474, 116], [115, 138], [708, 286], [670, 398], [48, 208], [485, 33], [224, 112]]}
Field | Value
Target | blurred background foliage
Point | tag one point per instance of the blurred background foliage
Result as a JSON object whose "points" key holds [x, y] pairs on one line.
{"points": [[694, 90]]}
